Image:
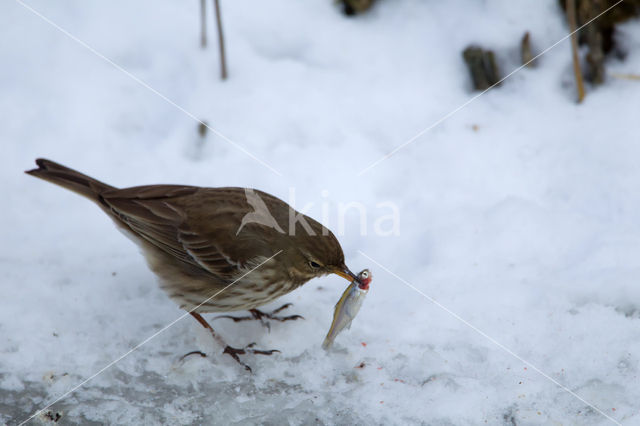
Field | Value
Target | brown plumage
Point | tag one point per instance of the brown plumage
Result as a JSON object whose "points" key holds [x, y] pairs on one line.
{"points": [[200, 240]]}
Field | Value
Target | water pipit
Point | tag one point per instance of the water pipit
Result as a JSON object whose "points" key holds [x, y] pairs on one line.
{"points": [[200, 240]]}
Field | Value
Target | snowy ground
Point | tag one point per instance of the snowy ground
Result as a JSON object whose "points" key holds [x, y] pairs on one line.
{"points": [[518, 214]]}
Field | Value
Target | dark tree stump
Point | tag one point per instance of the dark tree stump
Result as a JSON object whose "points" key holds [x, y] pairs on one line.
{"points": [[482, 67]]}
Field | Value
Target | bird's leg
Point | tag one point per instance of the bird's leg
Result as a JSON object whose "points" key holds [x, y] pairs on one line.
{"points": [[206, 325], [233, 352], [260, 316]]}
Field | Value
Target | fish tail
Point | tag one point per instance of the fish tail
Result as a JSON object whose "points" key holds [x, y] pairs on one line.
{"points": [[327, 343]]}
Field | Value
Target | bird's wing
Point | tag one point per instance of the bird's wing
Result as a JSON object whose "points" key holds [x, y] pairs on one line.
{"points": [[159, 215]]}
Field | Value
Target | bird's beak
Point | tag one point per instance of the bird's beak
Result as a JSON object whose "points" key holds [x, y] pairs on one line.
{"points": [[345, 273]]}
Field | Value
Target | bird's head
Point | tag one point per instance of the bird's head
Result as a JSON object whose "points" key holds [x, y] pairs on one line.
{"points": [[317, 254]]}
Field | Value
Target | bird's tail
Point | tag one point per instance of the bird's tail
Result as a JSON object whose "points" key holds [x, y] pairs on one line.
{"points": [[69, 179]]}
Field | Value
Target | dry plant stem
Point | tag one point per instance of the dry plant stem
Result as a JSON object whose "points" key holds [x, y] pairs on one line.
{"points": [[571, 17], [525, 51], [223, 61], [203, 24], [626, 76]]}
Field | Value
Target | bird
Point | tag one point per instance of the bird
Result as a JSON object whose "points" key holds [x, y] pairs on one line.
{"points": [[206, 248]]}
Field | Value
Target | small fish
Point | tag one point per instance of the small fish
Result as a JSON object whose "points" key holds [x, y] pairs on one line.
{"points": [[348, 306]]}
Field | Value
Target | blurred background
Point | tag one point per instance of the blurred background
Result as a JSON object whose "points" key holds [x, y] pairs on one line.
{"points": [[516, 207]]}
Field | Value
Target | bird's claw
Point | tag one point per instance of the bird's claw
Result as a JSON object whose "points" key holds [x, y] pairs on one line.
{"points": [[259, 351], [260, 316], [183, 357], [282, 308], [235, 352]]}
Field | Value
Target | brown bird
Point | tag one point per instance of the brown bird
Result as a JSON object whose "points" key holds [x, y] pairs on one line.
{"points": [[214, 249]]}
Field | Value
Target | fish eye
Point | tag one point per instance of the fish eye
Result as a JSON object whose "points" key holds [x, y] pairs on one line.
{"points": [[313, 264], [365, 274]]}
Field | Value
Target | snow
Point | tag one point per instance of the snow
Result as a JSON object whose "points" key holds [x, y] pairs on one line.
{"points": [[524, 230]]}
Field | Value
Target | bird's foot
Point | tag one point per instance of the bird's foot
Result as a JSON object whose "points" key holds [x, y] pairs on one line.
{"points": [[259, 315], [235, 354], [263, 317], [232, 352]]}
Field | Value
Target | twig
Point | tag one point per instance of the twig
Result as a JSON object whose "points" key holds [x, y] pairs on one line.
{"points": [[525, 51], [223, 61], [203, 24], [571, 17], [625, 76]]}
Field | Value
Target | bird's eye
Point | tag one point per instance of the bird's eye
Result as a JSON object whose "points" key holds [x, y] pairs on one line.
{"points": [[365, 274], [313, 264]]}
